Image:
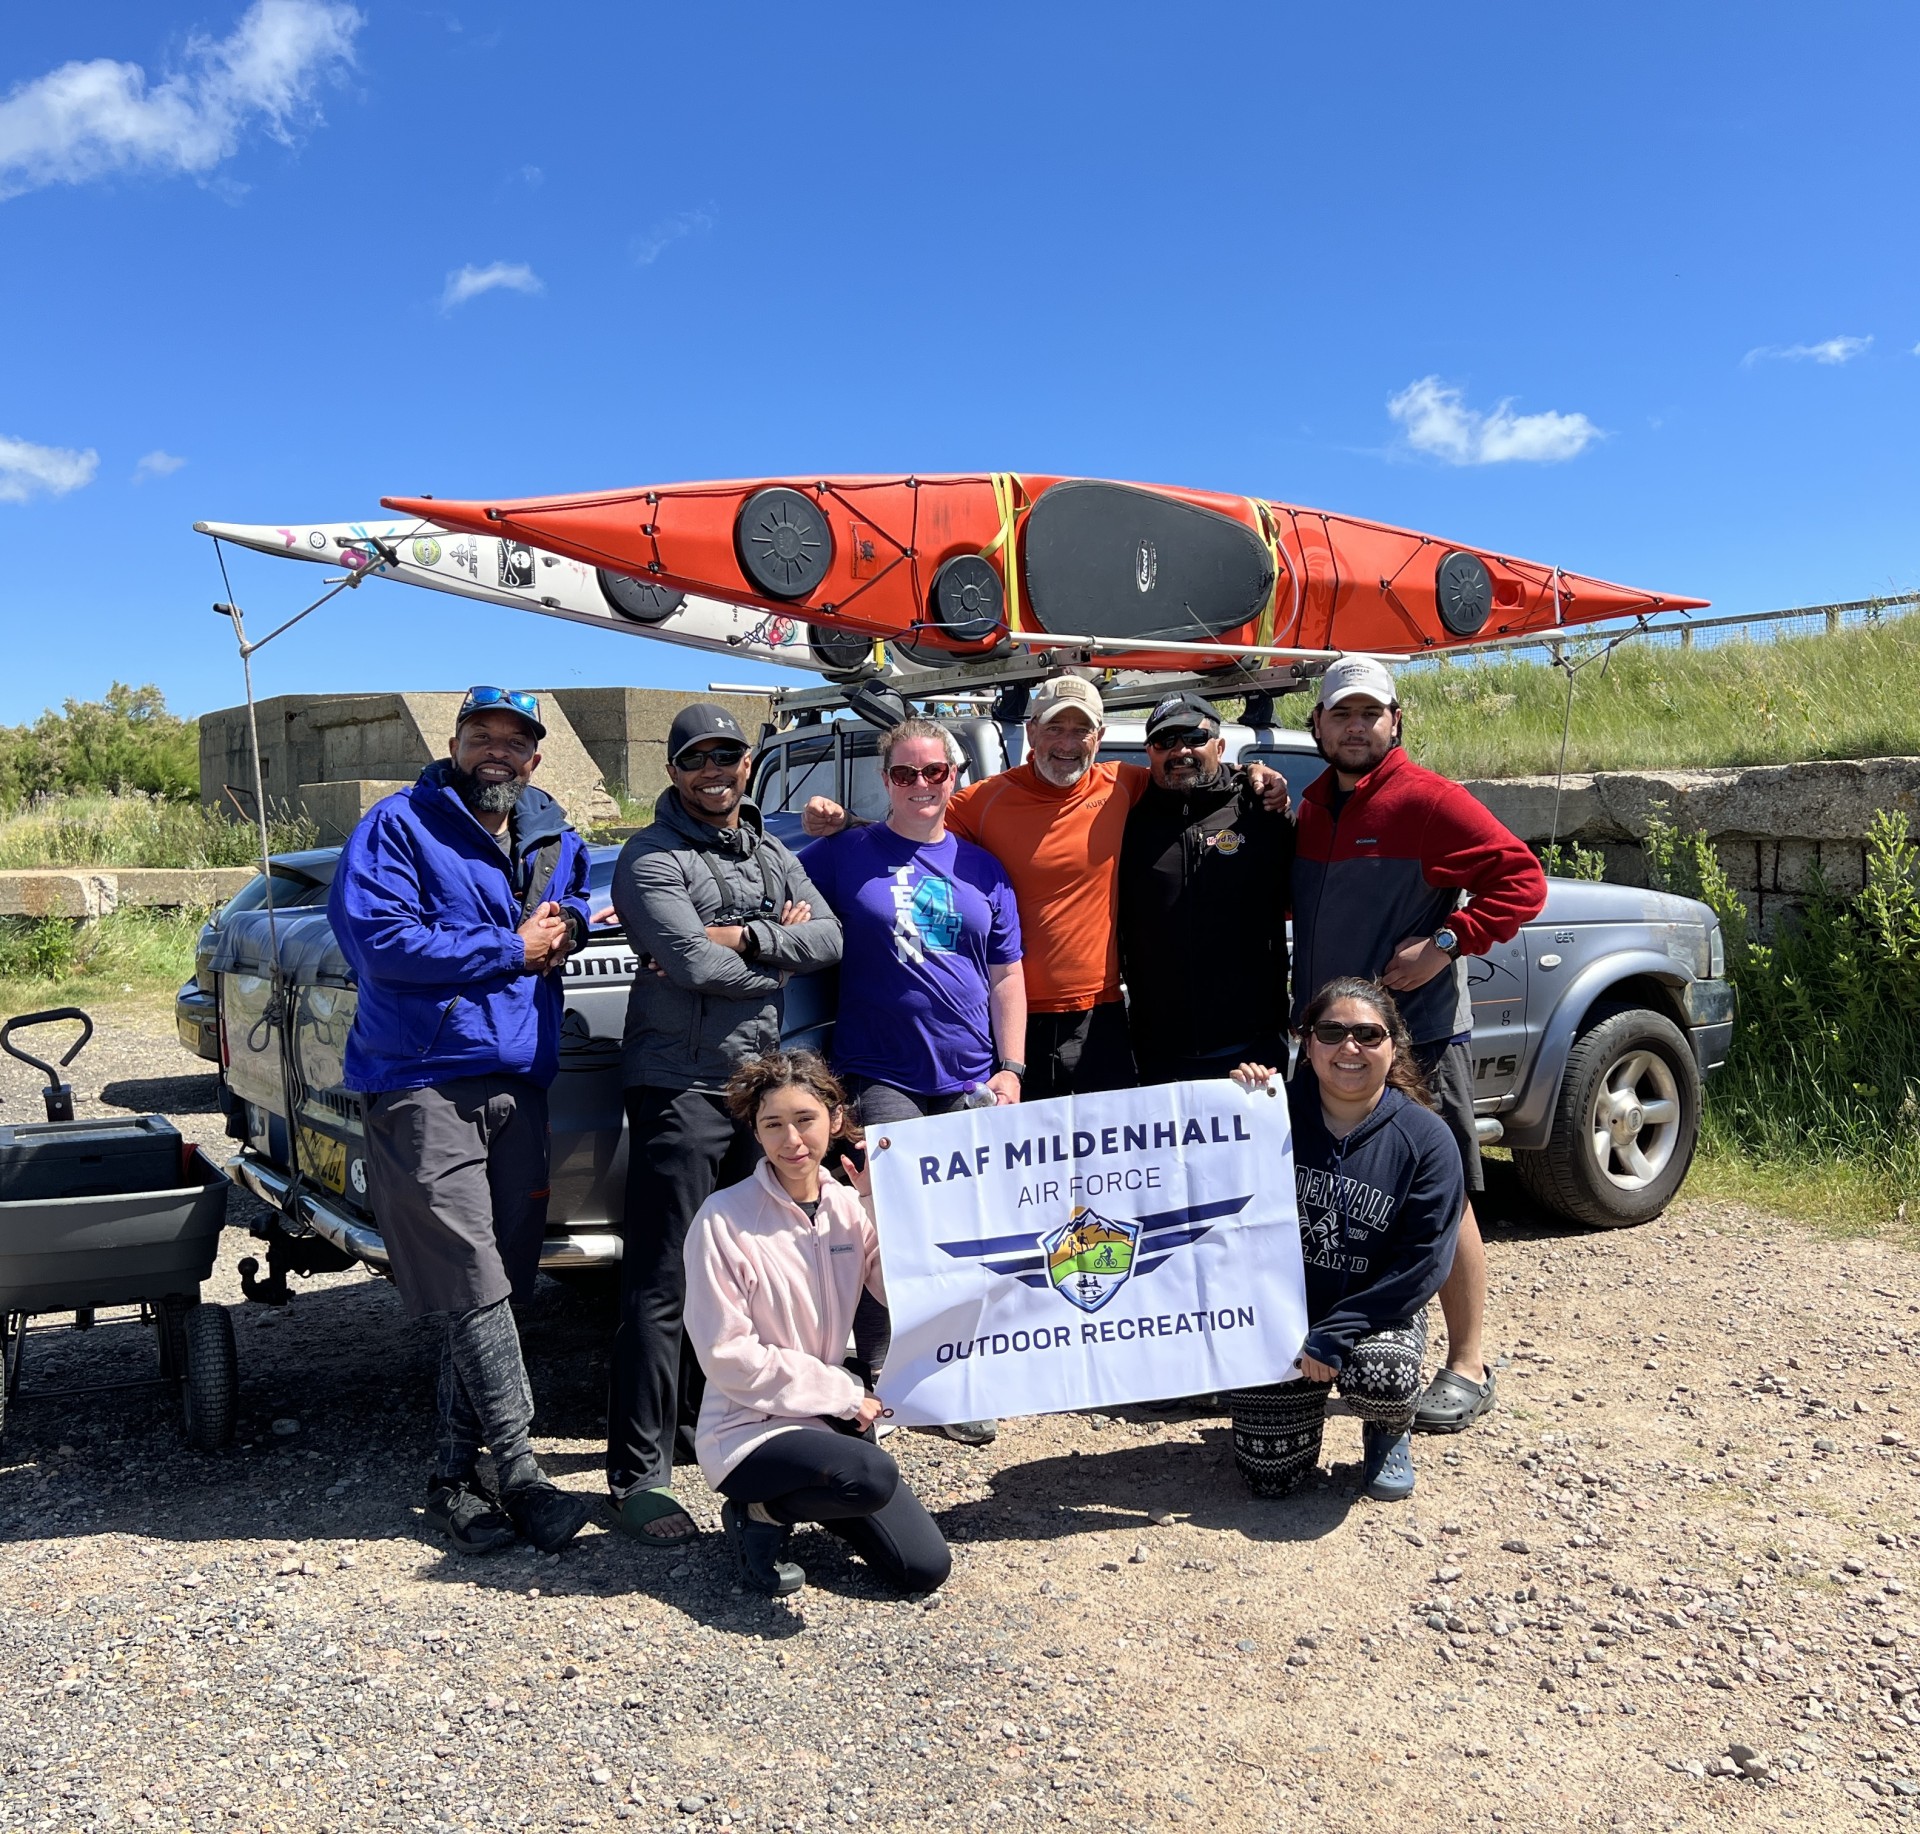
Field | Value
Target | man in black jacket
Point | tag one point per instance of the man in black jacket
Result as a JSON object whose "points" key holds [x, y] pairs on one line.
{"points": [[1205, 875], [722, 914]]}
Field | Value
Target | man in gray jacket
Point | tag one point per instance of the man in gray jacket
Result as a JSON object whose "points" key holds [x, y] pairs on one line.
{"points": [[725, 914]]}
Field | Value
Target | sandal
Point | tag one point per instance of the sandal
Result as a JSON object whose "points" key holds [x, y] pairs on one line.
{"points": [[633, 1512], [1453, 1402]]}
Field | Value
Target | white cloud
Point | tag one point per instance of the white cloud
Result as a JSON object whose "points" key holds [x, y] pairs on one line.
{"points": [[1829, 350], [470, 282], [156, 464], [27, 470], [86, 121], [649, 248], [1437, 421]]}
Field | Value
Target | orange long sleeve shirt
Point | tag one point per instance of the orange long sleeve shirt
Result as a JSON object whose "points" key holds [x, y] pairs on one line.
{"points": [[1061, 849]]}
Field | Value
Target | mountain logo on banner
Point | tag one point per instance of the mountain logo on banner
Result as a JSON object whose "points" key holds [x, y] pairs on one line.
{"points": [[1089, 1257]]}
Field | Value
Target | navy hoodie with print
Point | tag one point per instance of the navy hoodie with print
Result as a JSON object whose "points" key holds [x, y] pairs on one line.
{"points": [[1379, 1216]]}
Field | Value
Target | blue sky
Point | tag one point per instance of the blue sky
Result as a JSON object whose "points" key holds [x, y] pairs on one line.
{"points": [[1632, 291]]}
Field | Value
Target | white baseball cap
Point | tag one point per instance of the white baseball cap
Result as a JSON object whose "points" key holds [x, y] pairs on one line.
{"points": [[1054, 697], [1356, 675]]}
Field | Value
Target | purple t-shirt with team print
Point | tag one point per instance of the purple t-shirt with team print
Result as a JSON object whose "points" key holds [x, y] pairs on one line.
{"points": [[922, 925]]}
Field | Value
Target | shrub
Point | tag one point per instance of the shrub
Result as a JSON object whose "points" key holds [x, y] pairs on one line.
{"points": [[128, 741], [1826, 1055]]}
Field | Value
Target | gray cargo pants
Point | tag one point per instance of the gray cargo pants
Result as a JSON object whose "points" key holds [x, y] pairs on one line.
{"points": [[457, 1173]]}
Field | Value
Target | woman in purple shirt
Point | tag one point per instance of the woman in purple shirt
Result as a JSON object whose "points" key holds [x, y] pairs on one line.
{"points": [[933, 1005]]}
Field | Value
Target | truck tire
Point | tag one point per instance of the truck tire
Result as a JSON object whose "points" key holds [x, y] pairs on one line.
{"points": [[211, 1393], [1624, 1123]]}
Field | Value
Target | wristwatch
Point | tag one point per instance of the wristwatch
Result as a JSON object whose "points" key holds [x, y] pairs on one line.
{"points": [[1447, 943], [1010, 1067]]}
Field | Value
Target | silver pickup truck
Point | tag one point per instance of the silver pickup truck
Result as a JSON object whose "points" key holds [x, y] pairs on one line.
{"points": [[1593, 1030]]}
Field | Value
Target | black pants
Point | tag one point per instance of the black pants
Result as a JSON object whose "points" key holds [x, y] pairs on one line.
{"points": [[1079, 1053], [853, 1490], [682, 1145]]}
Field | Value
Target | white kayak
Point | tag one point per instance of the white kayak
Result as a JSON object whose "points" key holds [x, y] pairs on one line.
{"points": [[507, 572]]}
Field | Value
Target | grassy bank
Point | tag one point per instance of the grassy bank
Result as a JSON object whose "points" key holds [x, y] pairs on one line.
{"points": [[1853, 694], [137, 830], [128, 958]]}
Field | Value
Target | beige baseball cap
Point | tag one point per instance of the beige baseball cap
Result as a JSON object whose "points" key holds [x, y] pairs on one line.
{"points": [[1356, 675], [1063, 691]]}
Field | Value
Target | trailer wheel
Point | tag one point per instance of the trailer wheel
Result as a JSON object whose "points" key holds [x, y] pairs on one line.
{"points": [[1625, 1123], [212, 1392]]}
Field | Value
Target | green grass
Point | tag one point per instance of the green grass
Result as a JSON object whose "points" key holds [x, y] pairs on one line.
{"points": [[1852, 694], [137, 830], [134, 956]]}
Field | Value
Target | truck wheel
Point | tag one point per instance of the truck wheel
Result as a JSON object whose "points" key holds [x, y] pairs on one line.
{"points": [[1624, 1124], [212, 1390]]}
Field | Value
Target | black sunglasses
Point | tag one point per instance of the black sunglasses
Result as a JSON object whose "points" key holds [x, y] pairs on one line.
{"points": [[1325, 1031], [1184, 738], [720, 757]]}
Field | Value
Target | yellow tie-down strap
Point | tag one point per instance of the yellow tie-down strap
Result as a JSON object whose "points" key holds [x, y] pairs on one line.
{"points": [[1009, 498], [1269, 613]]}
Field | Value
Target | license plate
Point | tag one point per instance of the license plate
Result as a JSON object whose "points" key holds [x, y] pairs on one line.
{"points": [[323, 1159]]}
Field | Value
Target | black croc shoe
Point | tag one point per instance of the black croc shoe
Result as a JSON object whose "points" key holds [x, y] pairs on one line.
{"points": [[756, 1553], [468, 1518]]}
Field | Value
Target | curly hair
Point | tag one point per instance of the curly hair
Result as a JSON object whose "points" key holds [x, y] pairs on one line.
{"points": [[1403, 1073], [760, 1077], [918, 728]]}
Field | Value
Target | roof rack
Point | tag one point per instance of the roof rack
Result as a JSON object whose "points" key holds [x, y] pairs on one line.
{"points": [[1118, 688]]}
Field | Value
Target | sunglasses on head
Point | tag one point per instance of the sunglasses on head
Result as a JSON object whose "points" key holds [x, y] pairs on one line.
{"points": [[1184, 738], [719, 757], [1326, 1031], [907, 775], [518, 700]]}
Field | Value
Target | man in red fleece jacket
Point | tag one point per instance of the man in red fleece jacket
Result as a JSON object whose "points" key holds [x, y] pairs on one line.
{"points": [[1386, 851]]}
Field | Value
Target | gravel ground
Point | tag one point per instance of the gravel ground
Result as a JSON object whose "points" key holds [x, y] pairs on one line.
{"points": [[1667, 1585]]}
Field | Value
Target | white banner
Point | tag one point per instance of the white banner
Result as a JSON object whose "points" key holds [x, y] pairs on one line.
{"points": [[1096, 1249]]}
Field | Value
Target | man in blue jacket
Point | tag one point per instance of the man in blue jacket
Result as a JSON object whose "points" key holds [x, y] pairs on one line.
{"points": [[457, 901]]}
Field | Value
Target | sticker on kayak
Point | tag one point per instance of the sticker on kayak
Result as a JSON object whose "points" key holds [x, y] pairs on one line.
{"points": [[516, 564]]}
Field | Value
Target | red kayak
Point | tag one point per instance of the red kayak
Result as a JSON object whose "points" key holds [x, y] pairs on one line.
{"points": [[949, 566]]}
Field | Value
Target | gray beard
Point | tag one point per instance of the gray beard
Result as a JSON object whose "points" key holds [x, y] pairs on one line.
{"points": [[1061, 776], [485, 798]]}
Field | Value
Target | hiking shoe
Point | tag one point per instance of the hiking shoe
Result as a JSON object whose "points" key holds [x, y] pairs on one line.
{"points": [[1386, 1464], [548, 1516], [467, 1517], [756, 1550], [971, 1432]]}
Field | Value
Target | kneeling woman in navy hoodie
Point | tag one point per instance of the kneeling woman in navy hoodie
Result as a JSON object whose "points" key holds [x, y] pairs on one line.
{"points": [[1380, 1196]]}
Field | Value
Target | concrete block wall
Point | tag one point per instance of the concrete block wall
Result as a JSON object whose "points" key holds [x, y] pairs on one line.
{"points": [[625, 729], [1772, 825]]}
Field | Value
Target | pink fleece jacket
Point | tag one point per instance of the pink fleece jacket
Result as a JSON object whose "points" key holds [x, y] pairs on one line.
{"points": [[770, 1303]]}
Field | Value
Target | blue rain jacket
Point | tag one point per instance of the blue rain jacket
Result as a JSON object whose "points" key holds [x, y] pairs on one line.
{"points": [[426, 905]]}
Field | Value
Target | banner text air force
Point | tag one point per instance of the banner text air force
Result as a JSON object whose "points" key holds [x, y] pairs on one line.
{"points": [[1096, 1249]]}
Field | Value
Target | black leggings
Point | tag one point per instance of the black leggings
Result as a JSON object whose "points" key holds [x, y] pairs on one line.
{"points": [[853, 1490]]}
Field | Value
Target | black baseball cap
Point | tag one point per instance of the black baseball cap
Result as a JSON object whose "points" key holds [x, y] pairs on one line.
{"points": [[1182, 710], [703, 720]]}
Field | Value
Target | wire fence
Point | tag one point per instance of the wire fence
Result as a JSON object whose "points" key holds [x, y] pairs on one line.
{"points": [[1685, 633]]}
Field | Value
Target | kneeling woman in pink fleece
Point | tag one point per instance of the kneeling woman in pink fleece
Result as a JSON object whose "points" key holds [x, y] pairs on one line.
{"points": [[775, 1267]]}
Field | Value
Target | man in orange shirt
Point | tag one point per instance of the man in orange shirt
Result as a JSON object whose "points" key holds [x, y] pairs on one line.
{"points": [[1056, 824]]}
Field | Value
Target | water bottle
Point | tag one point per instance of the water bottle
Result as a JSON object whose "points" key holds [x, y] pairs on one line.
{"points": [[977, 1095]]}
